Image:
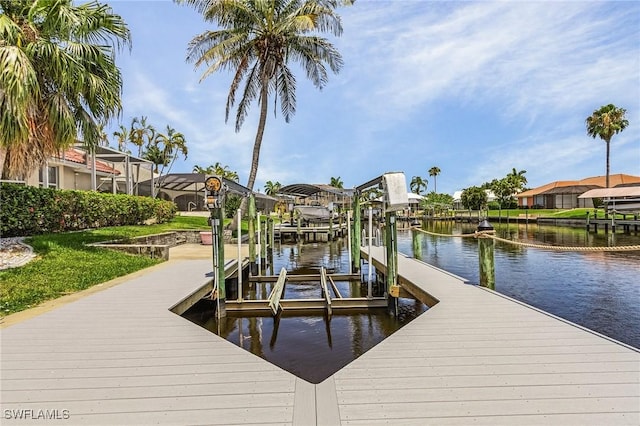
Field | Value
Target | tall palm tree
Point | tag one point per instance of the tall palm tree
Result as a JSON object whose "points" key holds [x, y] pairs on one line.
{"points": [[604, 123], [434, 171], [217, 169], [517, 179], [257, 40], [417, 184], [122, 135], [58, 80], [336, 182], [141, 134], [203, 170], [272, 188], [225, 172], [103, 139], [166, 148], [157, 156]]}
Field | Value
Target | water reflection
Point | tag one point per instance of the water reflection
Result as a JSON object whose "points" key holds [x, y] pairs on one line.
{"points": [[599, 290]]}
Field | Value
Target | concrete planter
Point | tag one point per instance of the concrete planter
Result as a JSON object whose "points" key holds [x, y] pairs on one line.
{"points": [[206, 238]]}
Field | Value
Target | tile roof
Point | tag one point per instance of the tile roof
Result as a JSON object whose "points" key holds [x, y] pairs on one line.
{"points": [[614, 180], [77, 156]]}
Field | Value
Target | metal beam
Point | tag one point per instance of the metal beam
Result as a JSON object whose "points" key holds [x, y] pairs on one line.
{"points": [[276, 293], [301, 278], [292, 305], [372, 182]]}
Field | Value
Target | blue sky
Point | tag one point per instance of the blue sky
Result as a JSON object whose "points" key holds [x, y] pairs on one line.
{"points": [[474, 88]]}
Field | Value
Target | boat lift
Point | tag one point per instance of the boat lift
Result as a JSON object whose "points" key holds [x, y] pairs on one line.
{"points": [[395, 198], [332, 300], [394, 189]]}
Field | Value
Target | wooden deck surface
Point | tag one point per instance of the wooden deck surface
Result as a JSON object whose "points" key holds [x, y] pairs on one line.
{"points": [[121, 357]]}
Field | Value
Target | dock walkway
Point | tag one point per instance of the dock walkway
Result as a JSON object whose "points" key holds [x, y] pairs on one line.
{"points": [[121, 357]]}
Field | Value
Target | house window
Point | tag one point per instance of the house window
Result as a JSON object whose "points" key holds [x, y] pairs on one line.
{"points": [[52, 177]]}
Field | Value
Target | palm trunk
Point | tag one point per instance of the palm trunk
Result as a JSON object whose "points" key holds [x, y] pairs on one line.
{"points": [[607, 177], [261, 125], [3, 158], [264, 101]]}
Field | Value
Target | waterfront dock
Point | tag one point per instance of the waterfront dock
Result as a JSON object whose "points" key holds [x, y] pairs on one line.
{"points": [[120, 356], [309, 233]]}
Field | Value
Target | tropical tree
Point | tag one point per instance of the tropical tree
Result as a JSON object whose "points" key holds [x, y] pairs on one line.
{"points": [[517, 180], [434, 171], [272, 188], [203, 170], [257, 40], [506, 188], [437, 203], [122, 136], [418, 184], [141, 134], [165, 149], [604, 123], [217, 169], [103, 139], [504, 191], [474, 198], [336, 182], [156, 156], [58, 78], [225, 172]]}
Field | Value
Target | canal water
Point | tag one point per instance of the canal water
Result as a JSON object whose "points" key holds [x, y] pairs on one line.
{"points": [[598, 290], [313, 346]]}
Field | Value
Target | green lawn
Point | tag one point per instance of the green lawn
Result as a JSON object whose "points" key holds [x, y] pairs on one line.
{"points": [[65, 263]]}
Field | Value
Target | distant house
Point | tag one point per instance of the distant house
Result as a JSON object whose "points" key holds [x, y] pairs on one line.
{"points": [[73, 168], [564, 194], [457, 198]]}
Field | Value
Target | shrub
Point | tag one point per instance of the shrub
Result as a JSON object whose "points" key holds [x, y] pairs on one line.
{"points": [[231, 205], [28, 210]]}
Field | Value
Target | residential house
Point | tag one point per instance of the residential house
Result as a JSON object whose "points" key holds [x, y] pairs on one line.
{"points": [[73, 168], [564, 194]]}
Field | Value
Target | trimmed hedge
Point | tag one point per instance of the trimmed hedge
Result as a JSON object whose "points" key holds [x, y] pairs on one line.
{"points": [[28, 210]]}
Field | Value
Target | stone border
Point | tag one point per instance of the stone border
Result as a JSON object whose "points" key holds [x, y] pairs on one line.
{"points": [[15, 260], [155, 246]]}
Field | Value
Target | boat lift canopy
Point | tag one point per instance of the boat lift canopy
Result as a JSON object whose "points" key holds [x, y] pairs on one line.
{"points": [[626, 198]]}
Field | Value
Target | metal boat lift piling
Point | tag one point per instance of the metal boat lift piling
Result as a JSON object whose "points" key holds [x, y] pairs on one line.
{"points": [[260, 252]]}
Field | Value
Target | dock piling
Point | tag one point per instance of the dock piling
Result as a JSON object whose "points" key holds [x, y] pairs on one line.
{"points": [[486, 256], [392, 262], [252, 235], [355, 236], [416, 244], [239, 238]]}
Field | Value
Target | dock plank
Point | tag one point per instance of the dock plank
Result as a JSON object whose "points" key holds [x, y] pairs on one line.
{"points": [[121, 357], [475, 357], [479, 357]]}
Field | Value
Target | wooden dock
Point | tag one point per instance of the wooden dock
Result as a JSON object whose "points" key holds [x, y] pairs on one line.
{"points": [[121, 357], [309, 233]]}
